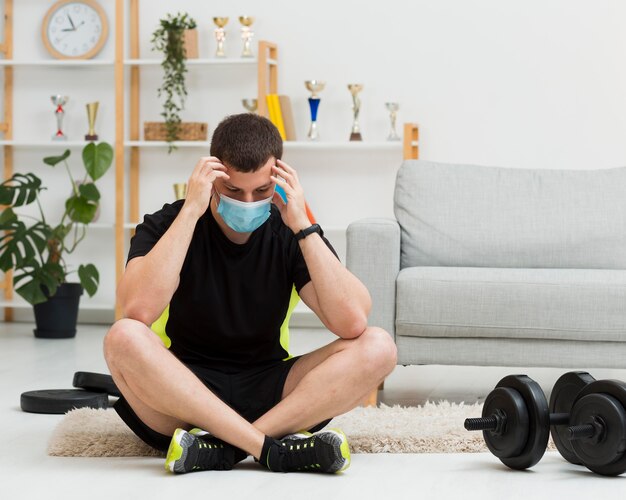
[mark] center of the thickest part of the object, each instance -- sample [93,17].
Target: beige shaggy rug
[432,428]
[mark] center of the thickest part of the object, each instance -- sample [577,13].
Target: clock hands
[71,22]
[73,28]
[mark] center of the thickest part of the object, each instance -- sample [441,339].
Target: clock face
[75,29]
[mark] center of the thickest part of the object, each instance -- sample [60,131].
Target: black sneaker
[324,451]
[197,450]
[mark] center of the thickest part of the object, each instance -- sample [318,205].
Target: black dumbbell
[515,422]
[588,422]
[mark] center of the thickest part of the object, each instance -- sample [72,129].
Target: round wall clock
[74,29]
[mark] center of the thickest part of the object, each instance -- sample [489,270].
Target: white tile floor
[26,472]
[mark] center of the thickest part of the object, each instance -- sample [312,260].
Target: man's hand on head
[200,185]
[293,212]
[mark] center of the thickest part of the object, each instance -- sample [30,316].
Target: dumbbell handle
[595,429]
[585,431]
[559,418]
[491,423]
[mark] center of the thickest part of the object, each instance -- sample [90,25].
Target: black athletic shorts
[251,393]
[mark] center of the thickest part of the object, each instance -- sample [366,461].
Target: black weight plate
[562,400]
[609,446]
[507,402]
[96,382]
[612,446]
[538,420]
[61,400]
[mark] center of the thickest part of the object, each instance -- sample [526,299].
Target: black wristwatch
[315,228]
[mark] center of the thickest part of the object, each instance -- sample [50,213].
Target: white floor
[27,472]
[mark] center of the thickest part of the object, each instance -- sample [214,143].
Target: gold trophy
[250,104]
[180,190]
[220,35]
[355,88]
[92,112]
[246,35]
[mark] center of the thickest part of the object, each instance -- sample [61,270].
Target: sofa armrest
[373,256]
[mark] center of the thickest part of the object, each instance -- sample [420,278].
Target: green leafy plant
[36,252]
[169,38]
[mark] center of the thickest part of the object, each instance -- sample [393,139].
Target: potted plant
[36,252]
[169,38]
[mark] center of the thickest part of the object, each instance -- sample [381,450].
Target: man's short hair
[246,142]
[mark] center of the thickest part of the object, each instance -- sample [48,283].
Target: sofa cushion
[463,215]
[558,304]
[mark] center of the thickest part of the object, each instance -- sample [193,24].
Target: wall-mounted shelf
[252,61]
[107,63]
[163,144]
[47,144]
[343,145]
[287,145]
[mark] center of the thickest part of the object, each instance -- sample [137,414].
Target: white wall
[539,83]
[533,83]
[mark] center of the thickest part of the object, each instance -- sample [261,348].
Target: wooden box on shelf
[187,131]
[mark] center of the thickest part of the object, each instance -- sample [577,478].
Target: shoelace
[299,454]
[213,455]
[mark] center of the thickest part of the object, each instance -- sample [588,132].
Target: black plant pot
[56,318]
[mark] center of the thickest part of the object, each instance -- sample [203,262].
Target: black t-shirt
[232,299]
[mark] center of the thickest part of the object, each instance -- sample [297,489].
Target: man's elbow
[135,310]
[137,314]
[352,326]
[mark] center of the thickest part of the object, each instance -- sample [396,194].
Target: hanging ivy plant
[169,38]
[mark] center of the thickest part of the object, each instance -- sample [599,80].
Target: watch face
[75,29]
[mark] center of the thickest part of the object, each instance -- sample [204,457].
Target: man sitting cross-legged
[224,261]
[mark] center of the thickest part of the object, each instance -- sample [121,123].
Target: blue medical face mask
[242,216]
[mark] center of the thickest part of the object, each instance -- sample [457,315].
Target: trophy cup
[355,88]
[314,86]
[59,101]
[250,104]
[220,35]
[246,35]
[393,107]
[92,112]
[180,190]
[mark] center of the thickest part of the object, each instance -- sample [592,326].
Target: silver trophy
[393,107]
[314,87]
[220,35]
[250,104]
[355,88]
[246,35]
[59,101]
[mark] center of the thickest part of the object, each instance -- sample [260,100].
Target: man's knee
[379,350]
[125,337]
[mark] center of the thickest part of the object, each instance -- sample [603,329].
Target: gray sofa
[499,266]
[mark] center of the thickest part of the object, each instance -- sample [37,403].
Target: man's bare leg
[165,394]
[330,381]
